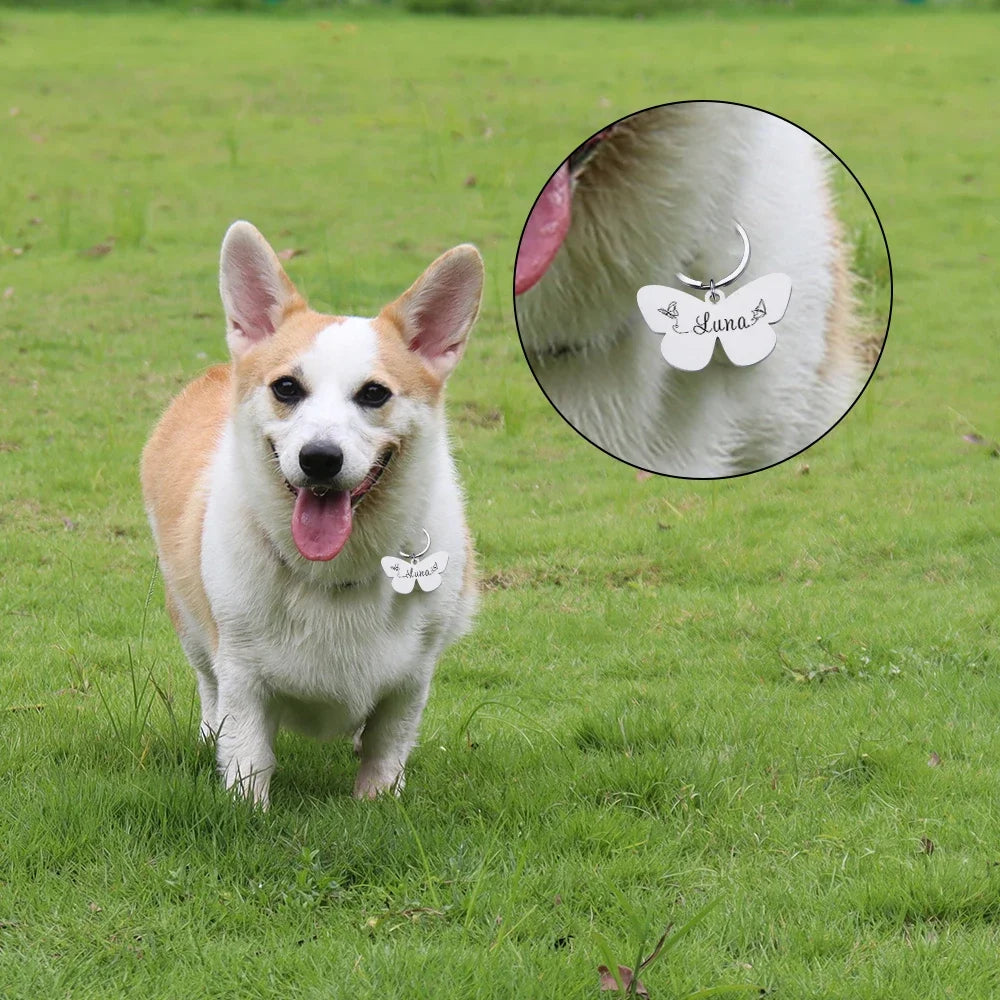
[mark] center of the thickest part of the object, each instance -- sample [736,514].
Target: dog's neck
[650,202]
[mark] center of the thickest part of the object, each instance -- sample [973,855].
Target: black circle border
[835,424]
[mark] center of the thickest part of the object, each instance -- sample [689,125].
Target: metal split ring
[417,555]
[712,285]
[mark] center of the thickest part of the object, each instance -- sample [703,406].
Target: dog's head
[329,401]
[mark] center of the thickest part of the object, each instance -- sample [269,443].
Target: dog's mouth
[583,153]
[551,215]
[323,517]
[372,476]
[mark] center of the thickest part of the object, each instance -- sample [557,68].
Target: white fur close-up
[659,195]
[324,645]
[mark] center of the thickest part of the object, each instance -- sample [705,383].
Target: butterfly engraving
[692,325]
[405,573]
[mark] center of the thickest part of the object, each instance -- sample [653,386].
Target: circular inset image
[702,289]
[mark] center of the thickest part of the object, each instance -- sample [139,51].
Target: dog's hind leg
[200,657]
[389,735]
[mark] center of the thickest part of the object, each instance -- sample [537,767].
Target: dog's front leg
[245,742]
[389,734]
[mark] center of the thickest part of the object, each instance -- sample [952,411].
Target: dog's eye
[287,389]
[372,394]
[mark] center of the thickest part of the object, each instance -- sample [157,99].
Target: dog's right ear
[256,293]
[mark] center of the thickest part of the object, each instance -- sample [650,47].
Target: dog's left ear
[436,313]
[256,292]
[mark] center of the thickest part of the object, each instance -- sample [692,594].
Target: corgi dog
[655,194]
[276,484]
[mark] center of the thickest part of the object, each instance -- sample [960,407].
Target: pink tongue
[545,231]
[321,525]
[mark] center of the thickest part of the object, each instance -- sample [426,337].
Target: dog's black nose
[321,460]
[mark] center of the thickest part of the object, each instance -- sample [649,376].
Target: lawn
[775,694]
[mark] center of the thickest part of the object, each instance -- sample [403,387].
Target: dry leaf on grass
[608,981]
[289,252]
[977,439]
[631,985]
[99,249]
[934,760]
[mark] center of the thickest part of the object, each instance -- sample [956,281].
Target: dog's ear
[256,293]
[436,313]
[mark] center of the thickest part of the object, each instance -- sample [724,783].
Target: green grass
[603,8]
[677,693]
[491,8]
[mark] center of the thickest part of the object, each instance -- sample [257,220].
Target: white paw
[374,781]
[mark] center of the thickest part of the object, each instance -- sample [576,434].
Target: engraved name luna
[412,572]
[705,324]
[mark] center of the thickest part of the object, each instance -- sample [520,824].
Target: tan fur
[269,359]
[175,463]
[399,369]
[845,351]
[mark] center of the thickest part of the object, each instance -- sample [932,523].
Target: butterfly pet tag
[405,569]
[741,321]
